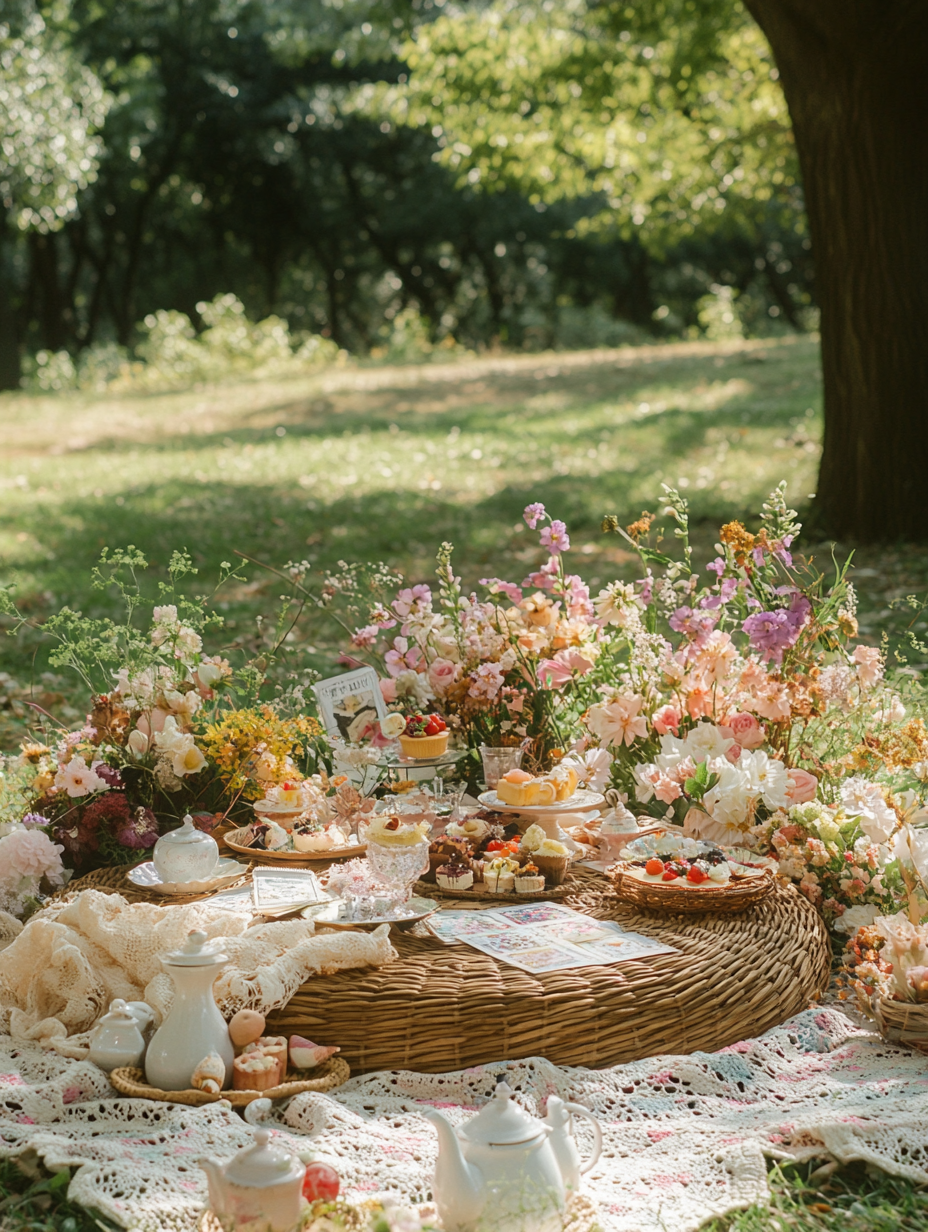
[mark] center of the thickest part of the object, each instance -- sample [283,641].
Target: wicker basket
[478,893]
[329,1074]
[902,1022]
[679,900]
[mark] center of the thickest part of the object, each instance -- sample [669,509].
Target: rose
[442,673]
[388,690]
[667,719]
[746,730]
[801,786]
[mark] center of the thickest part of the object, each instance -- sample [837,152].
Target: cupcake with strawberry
[426,735]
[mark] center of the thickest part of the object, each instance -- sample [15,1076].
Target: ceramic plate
[146,878]
[236,839]
[392,760]
[419,909]
[579,801]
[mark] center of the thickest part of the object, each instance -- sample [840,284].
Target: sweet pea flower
[412,599]
[496,586]
[387,689]
[555,537]
[553,674]
[533,515]
[771,633]
[486,681]
[869,664]
[365,636]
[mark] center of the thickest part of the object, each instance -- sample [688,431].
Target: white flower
[912,845]
[180,749]
[768,777]
[729,801]
[865,801]
[415,686]
[138,742]
[78,779]
[592,767]
[165,615]
[856,917]
[705,741]
[834,684]
[891,711]
[183,703]
[616,604]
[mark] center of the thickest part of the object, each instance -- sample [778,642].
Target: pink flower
[869,665]
[365,636]
[486,681]
[801,786]
[744,728]
[31,853]
[666,720]
[78,779]
[733,752]
[380,616]
[412,599]
[388,690]
[771,701]
[553,674]
[618,721]
[665,789]
[497,586]
[555,537]
[577,598]
[544,578]
[442,674]
[533,515]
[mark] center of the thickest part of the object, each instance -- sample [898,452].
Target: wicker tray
[479,894]
[231,839]
[902,1022]
[331,1073]
[666,896]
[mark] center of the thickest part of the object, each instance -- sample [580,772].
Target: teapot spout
[459,1188]
[215,1174]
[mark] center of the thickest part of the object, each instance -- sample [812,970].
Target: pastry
[693,872]
[474,829]
[454,876]
[443,850]
[255,1071]
[210,1074]
[551,858]
[565,780]
[392,831]
[523,790]
[425,736]
[304,1054]
[245,1027]
[532,839]
[499,875]
[273,1046]
[316,836]
[528,880]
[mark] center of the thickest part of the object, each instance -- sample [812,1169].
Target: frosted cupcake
[255,1071]
[529,880]
[499,875]
[551,858]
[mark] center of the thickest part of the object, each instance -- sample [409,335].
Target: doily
[684,1136]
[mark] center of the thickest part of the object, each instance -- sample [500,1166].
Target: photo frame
[351,704]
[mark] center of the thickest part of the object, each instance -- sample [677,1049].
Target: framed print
[351,705]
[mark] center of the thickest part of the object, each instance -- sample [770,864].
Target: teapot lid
[261,1163]
[186,835]
[196,953]
[119,1015]
[501,1122]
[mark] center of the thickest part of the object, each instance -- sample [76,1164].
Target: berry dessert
[425,736]
[707,869]
[455,875]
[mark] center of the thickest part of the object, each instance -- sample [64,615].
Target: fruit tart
[425,736]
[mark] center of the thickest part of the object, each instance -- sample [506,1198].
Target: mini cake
[551,858]
[288,794]
[686,872]
[443,851]
[532,839]
[454,876]
[474,829]
[523,790]
[255,1071]
[529,880]
[565,780]
[272,1046]
[269,836]
[316,836]
[425,736]
[390,830]
[499,875]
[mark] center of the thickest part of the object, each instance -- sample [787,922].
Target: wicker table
[440,1008]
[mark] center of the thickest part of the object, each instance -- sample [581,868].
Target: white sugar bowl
[185,854]
[117,1038]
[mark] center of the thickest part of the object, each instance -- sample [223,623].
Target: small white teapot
[507,1169]
[185,854]
[260,1186]
[117,1038]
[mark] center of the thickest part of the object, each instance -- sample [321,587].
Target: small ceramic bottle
[185,854]
[194,1026]
[117,1039]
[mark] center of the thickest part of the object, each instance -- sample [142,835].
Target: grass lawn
[366,463]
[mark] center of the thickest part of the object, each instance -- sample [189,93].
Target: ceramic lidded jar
[261,1186]
[194,1026]
[185,854]
[117,1038]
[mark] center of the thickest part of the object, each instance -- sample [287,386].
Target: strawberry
[669,875]
[696,876]
[654,866]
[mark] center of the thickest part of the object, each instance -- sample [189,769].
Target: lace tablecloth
[685,1136]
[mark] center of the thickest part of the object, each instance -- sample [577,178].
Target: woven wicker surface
[329,1074]
[902,1022]
[441,1007]
[115,880]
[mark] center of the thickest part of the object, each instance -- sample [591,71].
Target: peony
[869,663]
[667,719]
[865,801]
[705,740]
[801,786]
[442,674]
[78,779]
[31,853]
[730,801]
[745,729]
[618,721]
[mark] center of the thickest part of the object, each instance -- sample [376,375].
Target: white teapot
[506,1168]
[117,1038]
[260,1186]
[185,854]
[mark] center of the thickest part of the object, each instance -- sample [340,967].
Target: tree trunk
[10,371]
[855,79]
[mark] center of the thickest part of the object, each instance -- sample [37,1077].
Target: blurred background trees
[388,175]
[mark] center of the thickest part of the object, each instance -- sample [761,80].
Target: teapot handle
[580,1111]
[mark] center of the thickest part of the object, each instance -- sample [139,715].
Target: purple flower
[34,819]
[696,625]
[533,515]
[647,589]
[717,566]
[773,632]
[781,551]
[108,774]
[139,831]
[555,537]
[726,590]
[497,586]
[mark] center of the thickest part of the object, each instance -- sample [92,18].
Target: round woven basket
[329,1074]
[902,1022]
[680,900]
[115,881]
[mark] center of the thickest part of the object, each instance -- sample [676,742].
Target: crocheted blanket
[684,1136]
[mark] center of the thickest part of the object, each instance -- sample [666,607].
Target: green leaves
[701,782]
